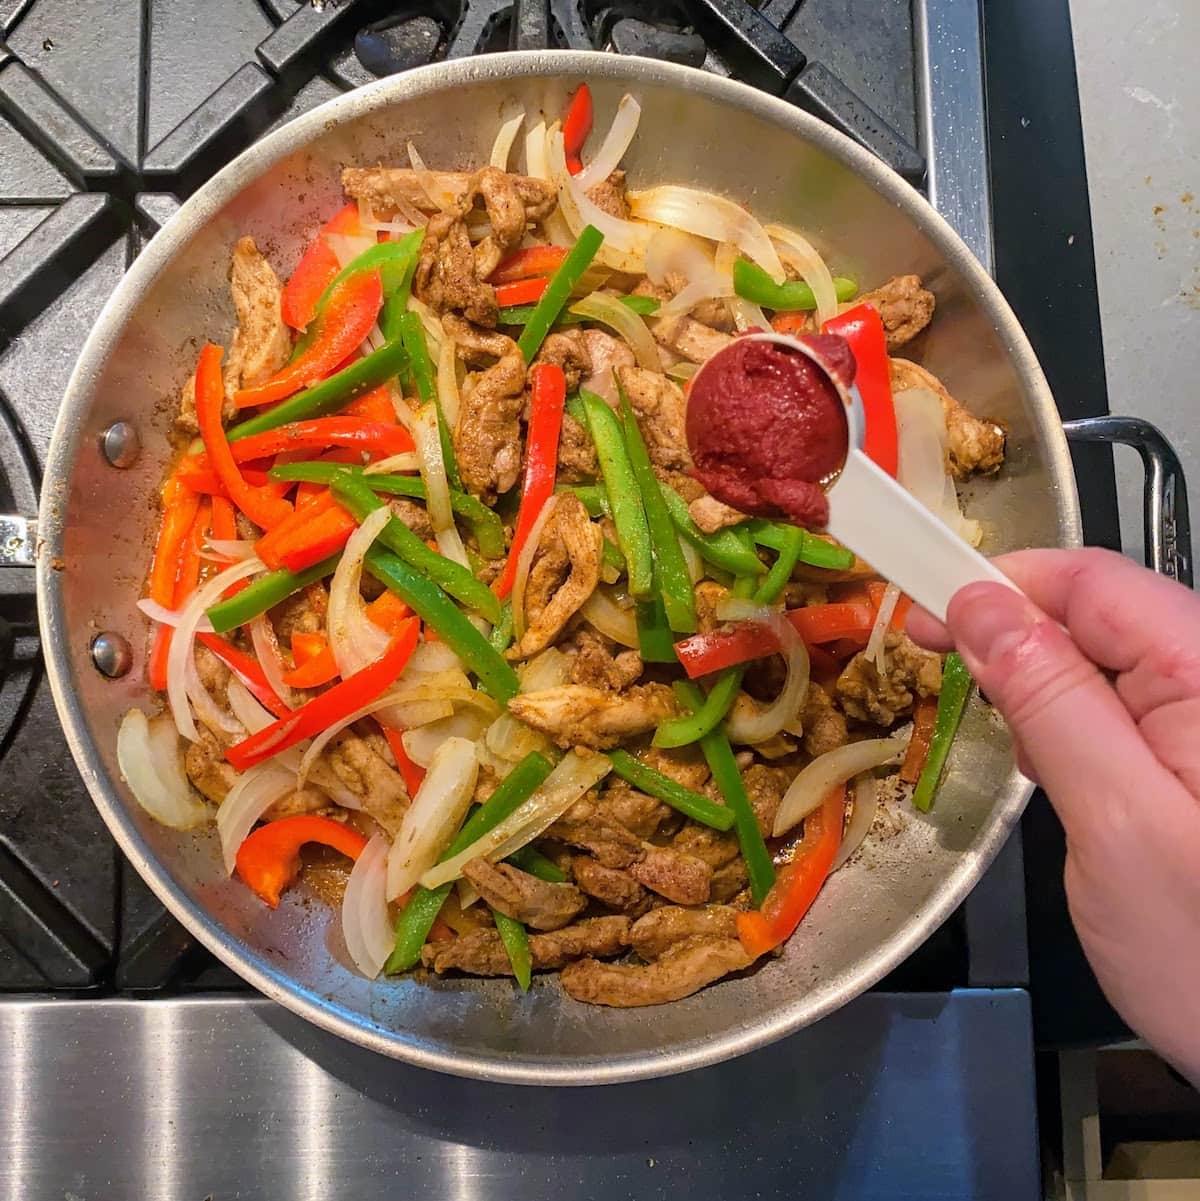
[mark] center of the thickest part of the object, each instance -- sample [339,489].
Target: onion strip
[866,805]
[255,791]
[616,142]
[610,619]
[149,761]
[437,488]
[505,136]
[763,724]
[812,267]
[558,233]
[270,658]
[524,563]
[447,381]
[875,647]
[366,924]
[355,640]
[405,461]
[815,782]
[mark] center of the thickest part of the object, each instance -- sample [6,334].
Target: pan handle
[1168,535]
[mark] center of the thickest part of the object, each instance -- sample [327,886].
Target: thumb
[1072,728]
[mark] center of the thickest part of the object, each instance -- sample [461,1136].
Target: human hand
[1097,672]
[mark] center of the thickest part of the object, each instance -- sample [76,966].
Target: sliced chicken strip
[905,307]
[662,928]
[576,715]
[660,409]
[533,902]
[482,953]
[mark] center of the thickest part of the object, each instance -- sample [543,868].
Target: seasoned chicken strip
[610,885]
[975,444]
[536,903]
[908,672]
[565,572]
[673,874]
[366,773]
[662,928]
[605,354]
[387,188]
[905,307]
[681,970]
[576,715]
[660,409]
[488,438]
[712,515]
[482,953]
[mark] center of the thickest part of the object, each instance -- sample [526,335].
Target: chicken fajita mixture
[439,594]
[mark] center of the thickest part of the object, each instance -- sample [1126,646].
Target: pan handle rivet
[111,655]
[120,444]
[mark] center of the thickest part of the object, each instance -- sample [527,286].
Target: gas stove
[113,114]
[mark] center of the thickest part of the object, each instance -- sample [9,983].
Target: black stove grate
[111,115]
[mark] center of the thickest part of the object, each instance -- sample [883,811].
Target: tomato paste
[767,428]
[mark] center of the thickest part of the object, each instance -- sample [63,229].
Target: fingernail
[989,620]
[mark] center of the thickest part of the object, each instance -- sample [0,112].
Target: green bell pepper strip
[395,298]
[519,314]
[729,549]
[423,906]
[611,556]
[672,584]
[593,496]
[815,551]
[412,333]
[536,864]
[656,643]
[432,605]
[562,283]
[624,496]
[706,715]
[516,943]
[489,529]
[769,591]
[451,577]
[719,755]
[573,406]
[502,631]
[751,282]
[330,394]
[265,593]
[413,925]
[655,784]
[956,687]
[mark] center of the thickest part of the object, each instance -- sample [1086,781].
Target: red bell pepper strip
[375,405]
[314,662]
[525,291]
[315,271]
[528,263]
[548,386]
[862,327]
[294,532]
[830,623]
[577,124]
[918,745]
[325,536]
[269,860]
[345,321]
[330,707]
[224,519]
[793,322]
[180,504]
[798,882]
[412,773]
[247,669]
[262,507]
[350,433]
[187,577]
[388,611]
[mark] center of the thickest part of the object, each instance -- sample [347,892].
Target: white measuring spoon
[872,515]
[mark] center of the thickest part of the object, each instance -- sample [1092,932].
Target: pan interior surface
[98,523]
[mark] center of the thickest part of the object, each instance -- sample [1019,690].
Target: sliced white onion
[921,461]
[180,680]
[169,617]
[746,314]
[430,657]
[883,619]
[691,557]
[422,743]
[468,894]
[803,256]
[624,245]
[394,465]
[810,788]
[683,370]
[256,790]
[549,669]
[524,562]
[148,755]
[412,216]
[673,255]
[447,381]
[354,638]
[611,619]
[708,216]
[441,198]
[866,804]
[255,717]
[270,657]
[509,741]
[366,923]
[608,310]
[437,487]
[537,165]
[612,150]
[429,322]
[573,776]
[434,816]
[764,723]
[505,136]
[394,228]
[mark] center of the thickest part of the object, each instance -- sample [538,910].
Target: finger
[925,629]
[1077,736]
[1121,616]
